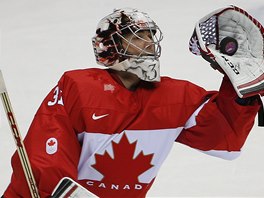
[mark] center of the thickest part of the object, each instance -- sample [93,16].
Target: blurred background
[40,39]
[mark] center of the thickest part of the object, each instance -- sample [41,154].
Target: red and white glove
[233,42]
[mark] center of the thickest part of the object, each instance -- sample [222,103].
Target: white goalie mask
[111,34]
[233,42]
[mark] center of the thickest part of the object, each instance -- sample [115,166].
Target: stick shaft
[17,137]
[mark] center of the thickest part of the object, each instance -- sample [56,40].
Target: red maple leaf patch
[123,168]
[51,143]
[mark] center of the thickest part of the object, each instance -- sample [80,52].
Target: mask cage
[153,43]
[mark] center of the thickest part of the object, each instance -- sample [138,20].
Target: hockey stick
[17,137]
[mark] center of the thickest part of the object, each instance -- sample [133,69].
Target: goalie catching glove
[232,41]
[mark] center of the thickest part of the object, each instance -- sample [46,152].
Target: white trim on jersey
[156,142]
[227,155]
[192,120]
[216,153]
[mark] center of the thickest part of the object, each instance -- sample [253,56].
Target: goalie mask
[111,35]
[232,41]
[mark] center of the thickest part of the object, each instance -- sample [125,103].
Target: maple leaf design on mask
[123,168]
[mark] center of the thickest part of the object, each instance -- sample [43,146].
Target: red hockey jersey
[113,141]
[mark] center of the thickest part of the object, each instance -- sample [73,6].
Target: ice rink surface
[41,39]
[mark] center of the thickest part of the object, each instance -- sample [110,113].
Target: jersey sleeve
[52,147]
[220,126]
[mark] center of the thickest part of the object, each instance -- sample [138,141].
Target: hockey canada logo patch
[51,146]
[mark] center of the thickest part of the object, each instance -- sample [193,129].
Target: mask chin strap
[146,69]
